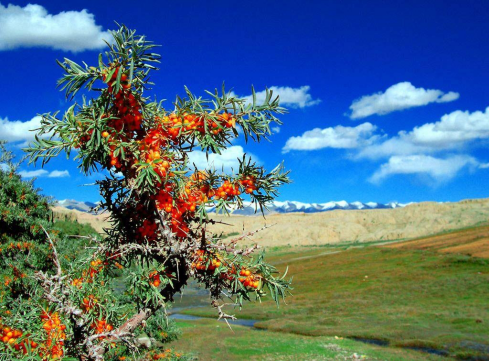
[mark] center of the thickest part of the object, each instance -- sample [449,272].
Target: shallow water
[429,350]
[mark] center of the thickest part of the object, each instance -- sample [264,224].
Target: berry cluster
[166,354]
[20,246]
[227,191]
[126,111]
[124,116]
[11,337]
[113,79]
[148,230]
[114,161]
[88,275]
[88,303]
[249,280]
[177,125]
[53,347]
[154,278]
[249,183]
[101,326]
[205,262]
[84,137]
[17,275]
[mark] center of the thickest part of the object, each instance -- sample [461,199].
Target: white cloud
[33,26]
[226,160]
[59,174]
[436,168]
[333,137]
[44,173]
[453,128]
[398,97]
[33,173]
[16,131]
[451,132]
[276,130]
[290,97]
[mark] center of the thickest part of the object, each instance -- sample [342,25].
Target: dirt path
[470,241]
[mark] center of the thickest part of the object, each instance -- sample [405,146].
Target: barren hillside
[97,221]
[413,221]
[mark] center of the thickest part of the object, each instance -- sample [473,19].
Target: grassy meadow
[406,295]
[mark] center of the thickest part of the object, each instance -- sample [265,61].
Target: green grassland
[211,340]
[408,298]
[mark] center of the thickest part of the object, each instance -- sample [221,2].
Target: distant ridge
[293,207]
[79,206]
[274,207]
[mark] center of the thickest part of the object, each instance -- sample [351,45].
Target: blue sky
[388,101]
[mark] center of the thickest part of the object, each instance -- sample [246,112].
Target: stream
[239,322]
[195,297]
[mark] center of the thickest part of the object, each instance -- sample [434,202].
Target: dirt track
[473,242]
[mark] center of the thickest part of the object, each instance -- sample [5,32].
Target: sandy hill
[337,226]
[412,221]
[97,221]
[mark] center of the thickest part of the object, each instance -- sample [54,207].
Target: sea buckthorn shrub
[28,328]
[157,201]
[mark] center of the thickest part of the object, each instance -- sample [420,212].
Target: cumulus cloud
[451,132]
[33,26]
[436,168]
[44,173]
[290,97]
[435,150]
[333,137]
[453,128]
[227,160]
[398,97]
[276,130]
[59,174]
[33,173]
[16,131]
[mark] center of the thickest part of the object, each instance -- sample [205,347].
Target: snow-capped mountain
[79,206]
[275,207]
[293,206]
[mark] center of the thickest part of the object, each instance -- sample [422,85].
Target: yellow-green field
[406,294]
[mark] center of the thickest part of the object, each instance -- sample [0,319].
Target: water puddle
[384,343]
[371,341]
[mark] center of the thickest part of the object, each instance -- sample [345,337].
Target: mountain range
[293,206]
[274,207]
[78,205]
